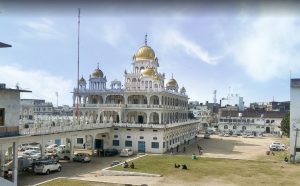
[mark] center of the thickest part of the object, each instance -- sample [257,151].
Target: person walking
[84,146]
[184,149]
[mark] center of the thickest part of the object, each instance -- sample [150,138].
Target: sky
[246,49]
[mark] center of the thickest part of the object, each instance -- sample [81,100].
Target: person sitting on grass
[176,166]
[184,167]
[125,165]
[132,165]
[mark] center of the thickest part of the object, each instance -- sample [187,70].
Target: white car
[51,147]
[45,167]
[276,145]
[32,154]
[126,152]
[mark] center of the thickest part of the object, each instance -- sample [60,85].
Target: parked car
[46,166]
[276,146]
[32,154]
[64,154]
[126,152]
[50,156]
[82,157]
[32,148]
[22,147]
[111,152]
[51,147]
[116,162]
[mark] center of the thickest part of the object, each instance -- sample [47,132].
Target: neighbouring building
[250,121]
[271,106]
[233,100]
[31,107]
[295,120]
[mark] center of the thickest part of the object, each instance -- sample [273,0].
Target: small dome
[182,90]
[172,82]
[156,77]
[82,80]
[145,52]
[148,72]
[97,73]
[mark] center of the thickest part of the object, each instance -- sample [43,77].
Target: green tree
[285,125]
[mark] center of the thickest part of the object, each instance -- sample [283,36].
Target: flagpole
[77,107]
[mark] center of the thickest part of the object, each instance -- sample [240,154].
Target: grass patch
[244,172]
[68,182]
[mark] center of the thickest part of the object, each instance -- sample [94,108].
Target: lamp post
[295,148]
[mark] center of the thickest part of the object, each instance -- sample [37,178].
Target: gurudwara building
[148,114]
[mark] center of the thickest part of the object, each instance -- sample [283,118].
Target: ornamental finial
[146,39]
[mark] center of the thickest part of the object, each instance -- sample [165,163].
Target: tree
[285,124]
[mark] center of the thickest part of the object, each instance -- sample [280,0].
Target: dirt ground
[230,147]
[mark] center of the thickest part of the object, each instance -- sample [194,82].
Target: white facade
[269,122]
[295,119]
[146,100]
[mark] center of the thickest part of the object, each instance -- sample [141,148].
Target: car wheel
[48,172]
[59,169]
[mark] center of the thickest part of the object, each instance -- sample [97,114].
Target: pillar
[15,163]
[2,159]
[148,117]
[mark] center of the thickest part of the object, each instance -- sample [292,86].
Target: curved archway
[154,100]
[154,118]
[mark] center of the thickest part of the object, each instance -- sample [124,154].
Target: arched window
[234,127]
[225,126]
[244,128]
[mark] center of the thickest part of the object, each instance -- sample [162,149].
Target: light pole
[295,148]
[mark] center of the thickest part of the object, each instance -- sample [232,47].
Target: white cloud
[267,47]
[42,28]
[42,84]
[112,33]
[172,38]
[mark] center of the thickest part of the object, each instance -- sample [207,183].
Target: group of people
[183,166]
[126,165]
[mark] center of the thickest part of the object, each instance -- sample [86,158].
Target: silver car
[45,167]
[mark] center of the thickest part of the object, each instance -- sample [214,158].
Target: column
[125,99]
[159,117]
[15,163]
[2,159]
[148,117]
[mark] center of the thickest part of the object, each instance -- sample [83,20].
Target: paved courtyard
[216,146]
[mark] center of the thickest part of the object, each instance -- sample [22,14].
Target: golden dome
[148,72]
[97,73]
[145,52]
[172,82]
[156,77]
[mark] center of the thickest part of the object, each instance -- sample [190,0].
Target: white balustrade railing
[68,124]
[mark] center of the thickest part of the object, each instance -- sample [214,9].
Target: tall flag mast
[77,105]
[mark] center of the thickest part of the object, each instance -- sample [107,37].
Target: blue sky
[250,48]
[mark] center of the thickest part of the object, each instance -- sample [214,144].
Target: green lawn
[72,182]
[240,172]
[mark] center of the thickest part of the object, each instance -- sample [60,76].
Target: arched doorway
[268,130]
